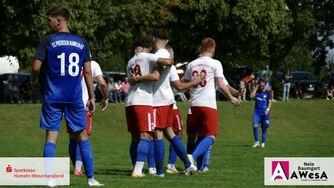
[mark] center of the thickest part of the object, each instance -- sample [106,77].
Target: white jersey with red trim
[96,71]
[174,76]
[141,93]
[204,94]
[163,94]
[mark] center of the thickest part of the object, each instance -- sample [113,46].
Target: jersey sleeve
[87,54]
[96,69]
[218,69]
[224,80]
[152,58]
[173,74]
[41,50]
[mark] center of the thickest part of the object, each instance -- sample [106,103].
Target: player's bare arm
[165,61]
[183,86]
[154,76]
[226,92]
[89,83]
[269,107]
[253,93]
[104,90]
[233,91]
[35,68]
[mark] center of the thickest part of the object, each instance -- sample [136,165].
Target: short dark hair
[160,34]
[144,42]
[262,80]
[59,11]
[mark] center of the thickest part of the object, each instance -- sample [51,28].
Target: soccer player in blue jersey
[59,59]
[263,101]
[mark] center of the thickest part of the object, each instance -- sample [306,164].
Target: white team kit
[204,94]
[96,71]
[141,93]
[163,94]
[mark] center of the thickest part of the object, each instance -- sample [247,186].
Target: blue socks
[180,150]
[159,151]
[142,150]
[49,149]
[133,152]
[150,155]
[87,157]
[172,155]
[205,160]
[256,133]
[202,147]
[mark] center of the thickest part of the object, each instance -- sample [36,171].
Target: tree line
[294,34]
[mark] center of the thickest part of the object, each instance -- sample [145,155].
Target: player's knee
[255,125]
[170,133]
[145,136]
[51,136]
[158,134]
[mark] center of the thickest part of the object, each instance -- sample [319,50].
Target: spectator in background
[298,90]
[286,85]
[15,91]
[330,92]
[266,76]
[26,91]
[118,91]
[125,88]
[111,85]
[243,86]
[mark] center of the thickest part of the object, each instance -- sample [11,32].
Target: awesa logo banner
[299,171]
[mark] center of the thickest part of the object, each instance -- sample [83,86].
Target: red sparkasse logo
[9,168]
[279,170]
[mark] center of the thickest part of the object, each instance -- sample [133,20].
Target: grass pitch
[299,128]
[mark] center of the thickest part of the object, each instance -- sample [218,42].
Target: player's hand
[91,105]
[104,104]
[134,79]
[266,112]
[235,101]
[198,79]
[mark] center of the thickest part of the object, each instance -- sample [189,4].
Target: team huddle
[150,108]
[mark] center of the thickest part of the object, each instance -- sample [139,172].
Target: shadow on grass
[236,145]
[114,171]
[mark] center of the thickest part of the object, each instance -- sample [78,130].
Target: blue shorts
[261,118]
[52,113]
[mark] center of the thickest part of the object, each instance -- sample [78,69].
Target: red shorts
[139,118]
[177,120]
[89,127]
[163,116]
[203,121]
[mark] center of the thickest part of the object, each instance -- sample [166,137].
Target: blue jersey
[262,100]
[62,56]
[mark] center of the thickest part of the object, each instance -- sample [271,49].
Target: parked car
[304,81]
[113,74]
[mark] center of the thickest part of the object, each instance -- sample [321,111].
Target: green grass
[299,128]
